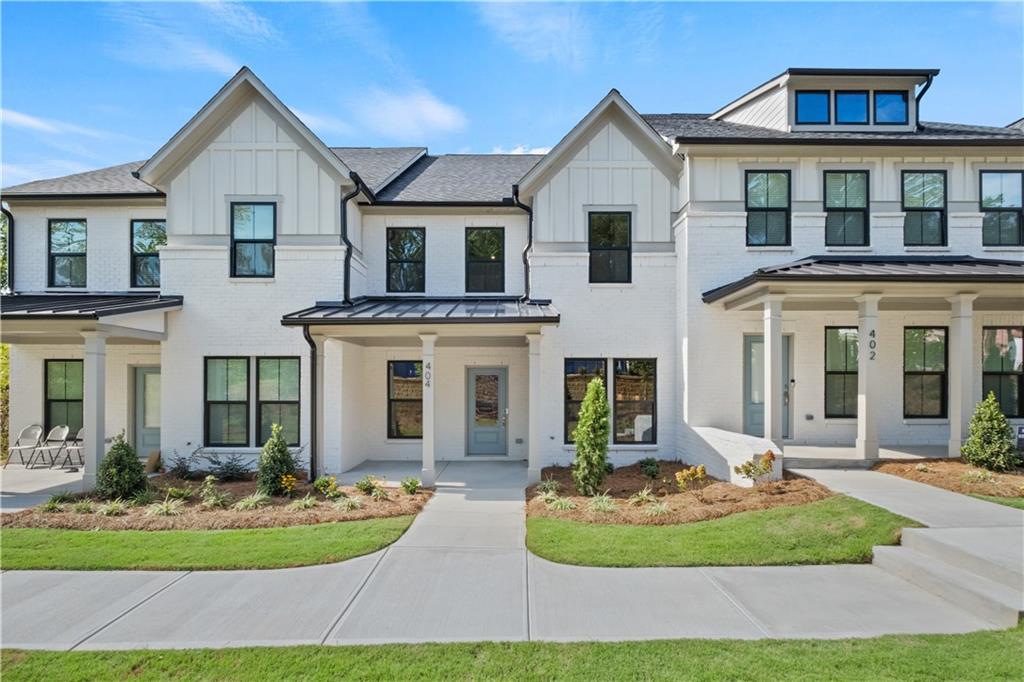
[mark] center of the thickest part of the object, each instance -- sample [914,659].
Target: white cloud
[352,23]
[320,123]
[411,115]
[17,173]
[557,33]
[238,18]
[17,119]
[520,149]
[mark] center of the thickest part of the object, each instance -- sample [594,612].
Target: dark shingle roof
[460,178]
[81,306]
[115,180]
[417,310]
[376,164]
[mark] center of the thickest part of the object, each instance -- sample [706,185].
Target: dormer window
[812,107]
[852,107]
[891,107]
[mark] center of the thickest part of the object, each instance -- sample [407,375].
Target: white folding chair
[28,441]
[74,447]
[56,441]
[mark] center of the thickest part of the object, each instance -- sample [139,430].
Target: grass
[80,550]
[975,656]
[1015,502]
[838,529]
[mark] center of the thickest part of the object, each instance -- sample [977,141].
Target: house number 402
[426,374]
[872,345]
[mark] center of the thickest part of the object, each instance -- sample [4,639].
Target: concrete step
[825,463]
[995,553]
[992,601]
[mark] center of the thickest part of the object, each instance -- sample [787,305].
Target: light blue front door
[487,411]
[753,386]
[147,410]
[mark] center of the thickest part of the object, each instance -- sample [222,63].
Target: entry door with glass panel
[147,410]
[753,386]
[487,407]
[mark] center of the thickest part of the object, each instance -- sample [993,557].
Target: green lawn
[976,656]
[44,548]
[838,529]
[1015,502]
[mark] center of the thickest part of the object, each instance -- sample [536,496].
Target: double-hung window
[1002,367]
[406,257]
[635,420]
[840,372]
[67,241]
[891,107]
[147,235]
[227,401]
[767,208]
[277,397]
[610,245]
[924,372]
[64,384]
[405,399]
[485,259]
[846,208]
[253,235]
[924,202]
[1001,194]
[579,372]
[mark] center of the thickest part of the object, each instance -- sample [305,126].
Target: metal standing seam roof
[80,306]
[417,310]
[882,269]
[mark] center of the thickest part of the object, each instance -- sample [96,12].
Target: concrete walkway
[462,573]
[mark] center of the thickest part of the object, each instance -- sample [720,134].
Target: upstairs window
[1002,367]
[634,415]
[840,372]
[405,399]
[64,386]
[1001,193]
[924,202]
[579,372]
[277,397]
[406,256]
[846,208]
[147,235]
[610,247]
[485,259]
[924,372]
[767,208]
[851,107]
[227,401]
[812,107]
[253,234]
[67,241]
[891,107]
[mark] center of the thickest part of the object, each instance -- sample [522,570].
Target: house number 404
[872,344]
[426,374]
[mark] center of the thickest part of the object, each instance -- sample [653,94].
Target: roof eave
[905,142]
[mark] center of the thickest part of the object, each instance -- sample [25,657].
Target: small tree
[591,439]
[276,462]
[990,438]
[120,474]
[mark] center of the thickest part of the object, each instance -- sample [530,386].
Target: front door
[147,410]
[487,411]
[753,386]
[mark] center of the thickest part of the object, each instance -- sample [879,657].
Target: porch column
[428,474]
[534,441]
[961,369]
[94,403]
[773,406]
[869,379]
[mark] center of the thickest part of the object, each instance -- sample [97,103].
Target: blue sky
[87,85]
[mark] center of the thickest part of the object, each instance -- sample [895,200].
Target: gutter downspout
[529,241]
[312,402]
[10,248]
[360,187]
[917,102]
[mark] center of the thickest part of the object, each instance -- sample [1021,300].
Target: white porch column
[773,406]
[869,379]
[534,442]
[428,474]
[330,370]
[961,369]
[94,403]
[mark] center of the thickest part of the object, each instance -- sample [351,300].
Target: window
[852,107]
[846,208]
[812,106]
[1002,367]
[924,202]
[1004,212]
[485,259]
[924,372]
[67,252]
[406,256]
[634,409]
[147,235]
[767,208]
[840,372]
[891,107]
[579,372]
[405,399]
[253,234]
[277,397]
[227,401]
[610,244]
[64,386]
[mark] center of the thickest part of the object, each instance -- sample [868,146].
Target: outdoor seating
[56,441]
[74,448]
[28,441]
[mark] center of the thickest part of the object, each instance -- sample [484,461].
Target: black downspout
[312,402]
[917,100]
[347,295]
[10,248]
[529,241]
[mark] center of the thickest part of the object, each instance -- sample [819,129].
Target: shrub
[756,468]
[250,502]
[562,504]
[641,497]
[649,467]
[656,509]
[84,507]
[169,507]
[51,507]
[922,467]
[411,485]
[328,487]
[602,503]
[690,475]
[349,504]
[184,494]
[120,473]
[307,502]
[990,439]
[211,496]
[143,497]
[228,468]
[591,439]
[367,484]
[980,476]
[548,485]
[183,467]
[379,494]
[276,461]
[288,484]
[62,497]
[116,507]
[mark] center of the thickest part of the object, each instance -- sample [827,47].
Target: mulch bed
[958,476]
[711,500]
[196,517]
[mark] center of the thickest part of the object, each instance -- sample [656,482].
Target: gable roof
[377,166]
[115,181]
[459,179]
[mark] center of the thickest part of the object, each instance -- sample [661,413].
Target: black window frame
[942,211]
[591,248]
[906,107]
[866,211]
[944,373]
[51,254]
[845,373]
[390,261]
[272,241]
[828,108]
[986,209]
[133,254]
[48,401]
[391,400]
[1002,373]
[788,211]
[654,403]
[207,403]
[566,431]
[480,261]
[867,107]
[297,402]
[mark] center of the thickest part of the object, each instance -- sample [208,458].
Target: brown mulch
[958,476]
[712,500]
[196,517]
